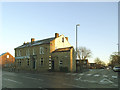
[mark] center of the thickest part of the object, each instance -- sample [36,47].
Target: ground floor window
[41,62]
[28,62]
[60,63]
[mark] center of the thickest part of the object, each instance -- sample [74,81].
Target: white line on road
[89,81]
[89,74]
[81,74]
[32,78]
[13,81]
[105,81]
[96,75]
[114,77]
[105,76]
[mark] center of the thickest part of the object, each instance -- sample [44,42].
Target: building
[82,65]
[54,54]
[92,65]
[6,60]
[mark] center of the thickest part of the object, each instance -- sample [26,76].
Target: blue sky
[98,21]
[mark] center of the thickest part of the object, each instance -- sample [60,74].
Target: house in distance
[55,54]
[6,60]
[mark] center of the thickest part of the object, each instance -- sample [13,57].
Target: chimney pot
[56,35]
[32,40]
[66,38]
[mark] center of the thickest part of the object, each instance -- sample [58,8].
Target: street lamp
[76,39]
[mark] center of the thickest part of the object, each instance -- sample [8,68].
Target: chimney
[56,35]
[66,38]
[32,40]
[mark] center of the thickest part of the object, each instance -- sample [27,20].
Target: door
[34,64]
[52,65]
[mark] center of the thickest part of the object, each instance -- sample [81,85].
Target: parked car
[116,68]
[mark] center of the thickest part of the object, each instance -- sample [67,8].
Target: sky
[98,30]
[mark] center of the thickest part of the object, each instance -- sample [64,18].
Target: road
[94,78]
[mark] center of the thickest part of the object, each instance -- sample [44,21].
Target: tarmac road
[94,78]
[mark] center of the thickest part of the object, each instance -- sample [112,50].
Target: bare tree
[83,53]
[114,59]
[99,63]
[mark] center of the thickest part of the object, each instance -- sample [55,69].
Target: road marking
[78,78]
[105,81]
[89,81]
[114,77]
[105,76]
[96,75]
[33,78]
[13,81]
[73,85]
[89,74]
[81,74]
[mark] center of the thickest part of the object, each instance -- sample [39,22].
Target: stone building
[54,54]
[6,60]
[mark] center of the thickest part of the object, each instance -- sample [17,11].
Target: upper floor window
[7,56]
[19,52]
[27,52]
[41,50]
[63,39]
[33,51]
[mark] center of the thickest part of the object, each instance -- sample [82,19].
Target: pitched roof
[3,53]
[39,42]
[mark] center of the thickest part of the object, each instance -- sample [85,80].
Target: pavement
[94,78]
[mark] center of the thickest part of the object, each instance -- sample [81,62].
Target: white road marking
[89,81]
[73,85]
[81,74]
[96,75]
[89,74]
[114,77]
[78,78]
[13,81]
[105,81]
[105,76]
[32,78]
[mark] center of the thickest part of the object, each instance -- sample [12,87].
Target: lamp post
[76,39]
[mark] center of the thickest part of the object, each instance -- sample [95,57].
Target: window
[7,56]
[20,62]
[41,50]
[27,52]
[33,51]
[60,63]
[41,62]
[19,52]
[63,39]
[28,62]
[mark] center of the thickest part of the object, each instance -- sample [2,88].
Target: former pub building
[55,54]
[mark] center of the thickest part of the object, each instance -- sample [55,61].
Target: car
[116,68]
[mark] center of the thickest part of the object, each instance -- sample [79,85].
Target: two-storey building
[54,53]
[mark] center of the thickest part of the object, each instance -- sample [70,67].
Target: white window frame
[41,50]
[33,51]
